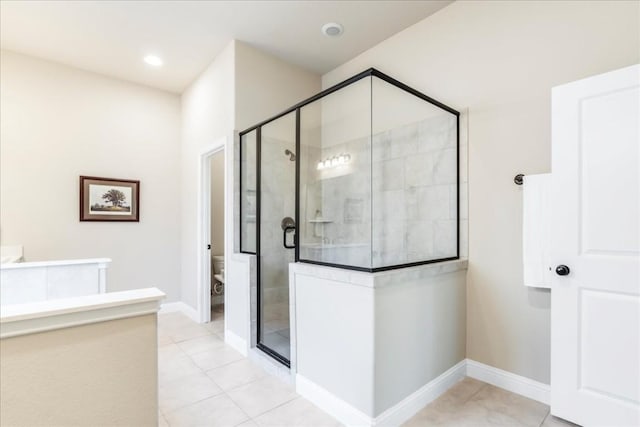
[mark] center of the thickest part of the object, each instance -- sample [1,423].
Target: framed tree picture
[109,199]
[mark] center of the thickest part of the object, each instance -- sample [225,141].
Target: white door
[595,308]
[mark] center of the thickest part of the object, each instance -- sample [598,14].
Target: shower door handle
[286,230]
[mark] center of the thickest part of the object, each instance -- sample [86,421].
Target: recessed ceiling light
[332,29]
[153,60]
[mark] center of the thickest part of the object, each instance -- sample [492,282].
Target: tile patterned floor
[204,382]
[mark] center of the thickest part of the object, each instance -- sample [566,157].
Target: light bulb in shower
[334,161]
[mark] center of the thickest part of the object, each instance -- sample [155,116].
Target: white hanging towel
[536,233]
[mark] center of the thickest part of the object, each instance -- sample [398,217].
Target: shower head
[291,154]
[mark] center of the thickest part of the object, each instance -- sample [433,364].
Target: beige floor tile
[200,344]
[296,413]
[217,411]
[169,351]
[462,391]
[187,332]
[552,421]
[474,403]
[441,412]
[172,321]
[498,402]
[165,318]
[248,423]
[444,409]
[162,421]
[186,390]
[176,367]
[473,414]
[261,396]
[215,358]
[216,326]
[236,374]
[163,338]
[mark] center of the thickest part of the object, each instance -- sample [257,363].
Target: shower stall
[361,177]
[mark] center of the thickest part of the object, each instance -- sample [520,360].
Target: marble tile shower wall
[414,192]
[341,197]
[411,173]
[245,197]
[277,201]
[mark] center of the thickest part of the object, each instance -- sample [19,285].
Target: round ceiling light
[153,60]
[332,29]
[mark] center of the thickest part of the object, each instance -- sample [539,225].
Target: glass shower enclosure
[362,176]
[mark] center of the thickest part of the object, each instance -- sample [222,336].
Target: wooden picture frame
[109,199]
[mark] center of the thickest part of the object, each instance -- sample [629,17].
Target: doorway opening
[216,236]
[212,234]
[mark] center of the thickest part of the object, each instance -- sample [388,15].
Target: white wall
[207,116]
[500,59]
[59,123]
[265,85]
[241,87]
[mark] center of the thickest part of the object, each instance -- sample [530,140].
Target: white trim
[330,403]
[394,416]
[509,381]
[236,342]
[23,319]
[412,404]
[180,307]
[204,225]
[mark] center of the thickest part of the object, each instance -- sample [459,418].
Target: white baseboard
[394,416]
[412,404]
[236,342]
[511,382]
[187,310]
[331,404]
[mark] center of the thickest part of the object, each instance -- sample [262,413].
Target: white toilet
[217,282]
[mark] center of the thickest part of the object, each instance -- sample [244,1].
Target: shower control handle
[285,231]
[562,270]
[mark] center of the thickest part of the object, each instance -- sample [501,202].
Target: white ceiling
[111,37]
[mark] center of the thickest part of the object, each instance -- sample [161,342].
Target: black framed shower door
[275,231]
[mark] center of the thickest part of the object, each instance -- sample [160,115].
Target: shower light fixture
[333,162]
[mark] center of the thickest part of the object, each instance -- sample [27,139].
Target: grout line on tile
[205,371]
[545,417]
[297,396]
[477,391]
[197,401]
[239,407]
[236,387]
